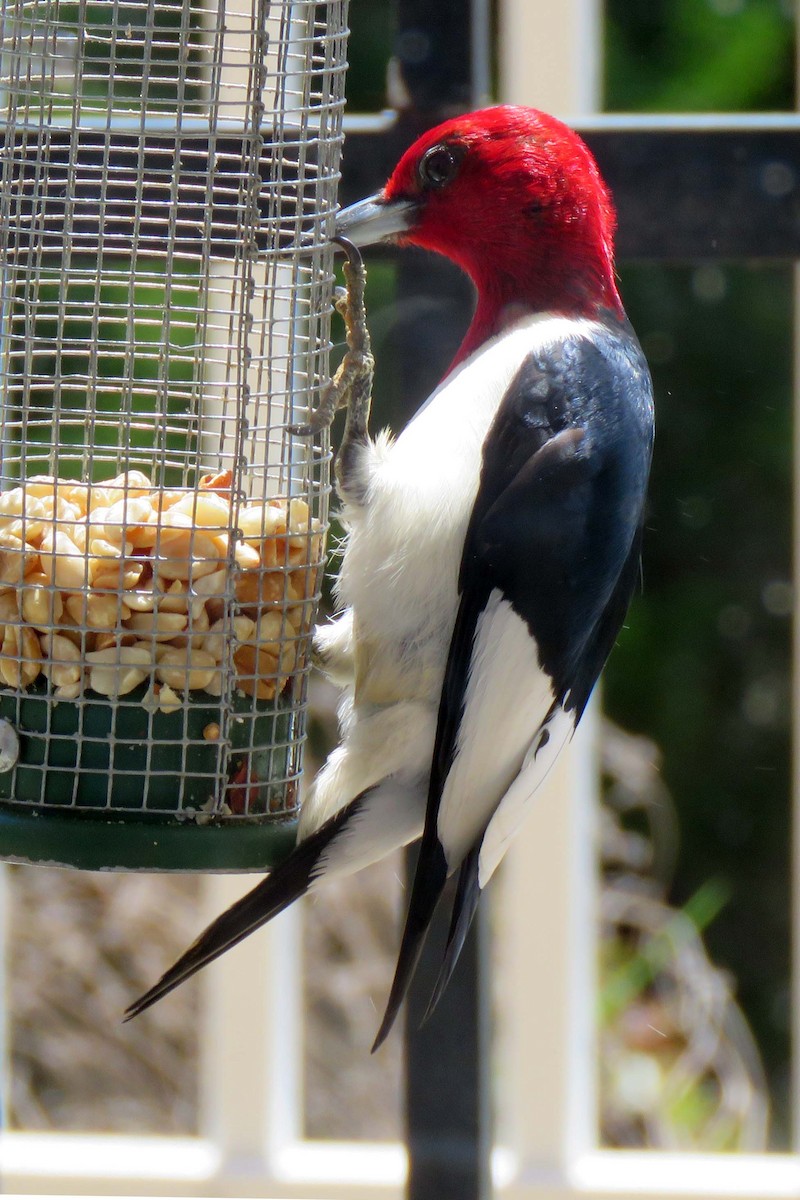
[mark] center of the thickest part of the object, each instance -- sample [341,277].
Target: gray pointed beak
[376,220]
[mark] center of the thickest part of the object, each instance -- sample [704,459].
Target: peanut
[20,656]
[246,556]
[168,701]
[41,606]
[13,502]
[40,486]
[214,686]
[259,521]
[77,494]
[215,584]
[61,662]
[16,559]
[186,554]
[117,670]
[140,601]
[101,547]
[129,656]
[257,671]
[184,671]
[159,626]
[214,641]
[96,611]
[122,575]
[112,575]
[221,482]
[205,509]
[255,589]
[175,599]
[26,528]
[119,637]
[9,608]
[134,519]
[199,626]
[62,562]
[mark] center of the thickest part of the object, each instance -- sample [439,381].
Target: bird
[492,548]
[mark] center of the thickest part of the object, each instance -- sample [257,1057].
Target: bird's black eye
[438,166]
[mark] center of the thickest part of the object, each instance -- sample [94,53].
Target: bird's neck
[587,290]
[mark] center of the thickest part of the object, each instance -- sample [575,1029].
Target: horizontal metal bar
[172,124]
[387,118]
[724,190]
[711,191]
[707,122]
[612,122]
[378,122]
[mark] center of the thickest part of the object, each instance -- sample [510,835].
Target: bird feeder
[169,173]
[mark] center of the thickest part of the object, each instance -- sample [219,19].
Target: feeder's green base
[98,755]
[104,787]
[113,844]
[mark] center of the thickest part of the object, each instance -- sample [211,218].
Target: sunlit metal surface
[169,176]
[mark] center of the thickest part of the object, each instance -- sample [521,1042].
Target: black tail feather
[285,884]
[429,880]
[465,904]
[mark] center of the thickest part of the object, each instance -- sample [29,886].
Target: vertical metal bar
[480,43]
[794,1119]
[548,921]
[251,1062]
[435,50]
[795,969]
[5,1049]
[449,1130]
[550,54]
[447,1097]
[545,956]
[443,53]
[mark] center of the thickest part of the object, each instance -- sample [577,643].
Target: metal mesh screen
[169,172]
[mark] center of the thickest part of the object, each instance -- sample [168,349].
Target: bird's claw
[351,386]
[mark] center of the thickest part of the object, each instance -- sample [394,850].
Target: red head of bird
[515,198]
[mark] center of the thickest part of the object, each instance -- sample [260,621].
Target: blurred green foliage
[369,49]
[704,665]
[628,976]
[698,55]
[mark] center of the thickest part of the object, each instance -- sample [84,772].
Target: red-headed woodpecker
[492,548]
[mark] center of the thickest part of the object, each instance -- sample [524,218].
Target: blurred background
[694,996]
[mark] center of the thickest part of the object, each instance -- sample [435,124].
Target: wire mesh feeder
[169,172]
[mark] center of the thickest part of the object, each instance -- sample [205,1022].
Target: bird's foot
[351,386]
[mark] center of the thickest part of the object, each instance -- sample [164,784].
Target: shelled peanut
[116,584]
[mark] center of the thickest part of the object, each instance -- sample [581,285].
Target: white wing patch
[514,805]
[508,697]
